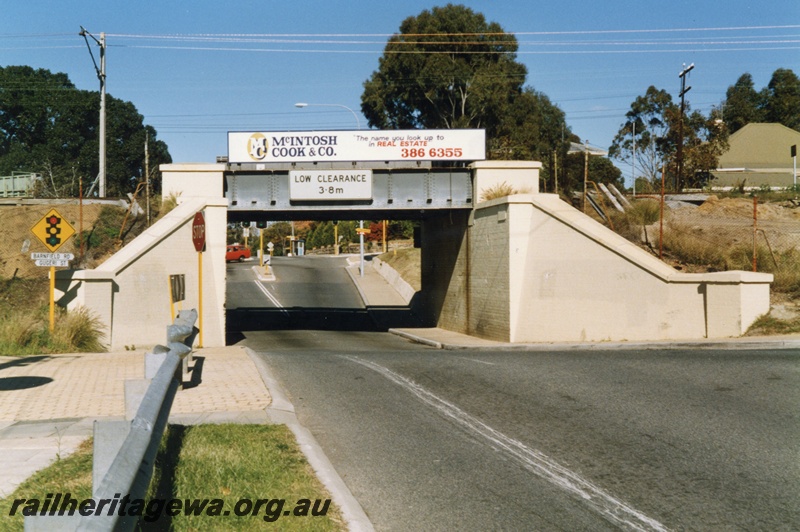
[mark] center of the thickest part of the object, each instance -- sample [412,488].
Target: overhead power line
[747,38]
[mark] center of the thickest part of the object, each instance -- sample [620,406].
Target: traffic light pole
[261,248]
[361,248]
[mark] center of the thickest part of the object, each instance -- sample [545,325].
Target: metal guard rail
[132,468]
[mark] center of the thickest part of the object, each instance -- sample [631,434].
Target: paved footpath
[48,403]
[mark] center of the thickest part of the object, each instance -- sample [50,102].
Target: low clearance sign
[391,145]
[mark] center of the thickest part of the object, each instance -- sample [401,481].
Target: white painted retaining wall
[130,291]
[541,271]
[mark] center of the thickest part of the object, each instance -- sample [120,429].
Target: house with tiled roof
[759,154]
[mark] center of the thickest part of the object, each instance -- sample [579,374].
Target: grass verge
[25,322]
[407,263]
[769,325]
[223,463]
[72,475]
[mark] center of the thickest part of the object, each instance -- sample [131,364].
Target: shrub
[28,333]
[644,211]
[79,330]
[19,332]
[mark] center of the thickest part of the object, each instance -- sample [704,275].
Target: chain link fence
[723,234]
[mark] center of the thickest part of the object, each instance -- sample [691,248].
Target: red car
[236,252]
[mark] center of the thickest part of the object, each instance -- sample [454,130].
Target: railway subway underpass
[526,267]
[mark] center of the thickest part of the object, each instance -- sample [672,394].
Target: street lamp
[301,105]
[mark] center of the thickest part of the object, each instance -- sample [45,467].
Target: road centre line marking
[270,297]
[535,461]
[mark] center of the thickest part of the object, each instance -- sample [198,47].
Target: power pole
[684,90]
[147,174]
[555,170]
[101,75]
[585,174]
[633,161]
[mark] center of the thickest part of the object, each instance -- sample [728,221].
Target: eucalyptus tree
[651,134]
[448,68]
[48,126]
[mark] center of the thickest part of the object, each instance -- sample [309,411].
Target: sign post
[261,248]
[53,230]
[199,241]
[270,247]
[361,233]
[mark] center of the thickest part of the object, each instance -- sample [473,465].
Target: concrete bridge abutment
[518,266]
[530,268]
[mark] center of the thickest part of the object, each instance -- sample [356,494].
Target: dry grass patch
[501,190]
[407,263]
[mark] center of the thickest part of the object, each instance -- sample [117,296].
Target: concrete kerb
[264,275]
[361,292]
[282,411]
[419,339]
[441,339]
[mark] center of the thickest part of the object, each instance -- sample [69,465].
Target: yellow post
[261,248]
[200,297]
[52,298]
[171,301]
[336,238]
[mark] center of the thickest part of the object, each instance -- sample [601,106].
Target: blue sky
[196,70]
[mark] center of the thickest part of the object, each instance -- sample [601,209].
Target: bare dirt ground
[17,242]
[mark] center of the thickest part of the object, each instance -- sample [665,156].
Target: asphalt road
[475,440]
[311,292]
[471,440]
[307,282]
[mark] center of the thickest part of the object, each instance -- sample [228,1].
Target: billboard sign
[365,145]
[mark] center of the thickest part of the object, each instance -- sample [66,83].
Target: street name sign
[52,256]
[52,263]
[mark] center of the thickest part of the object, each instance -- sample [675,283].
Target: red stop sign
[199,232]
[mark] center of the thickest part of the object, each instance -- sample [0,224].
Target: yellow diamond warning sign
[53,230]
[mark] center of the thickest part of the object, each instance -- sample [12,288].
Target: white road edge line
[271,297]
[540,464]
[477,361]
